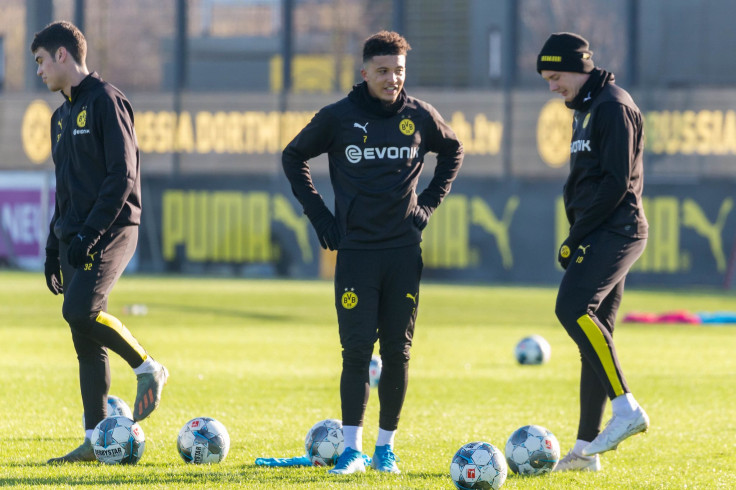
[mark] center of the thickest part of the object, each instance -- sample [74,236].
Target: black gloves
[421,215]
[327,230]
[565,253]
[52,271]
[81,245]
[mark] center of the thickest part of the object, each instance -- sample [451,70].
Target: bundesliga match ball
[532,450]
[325,442]
[374,371]
[118,440]
[115,406]
[533,350]
[203,440]
[478,465]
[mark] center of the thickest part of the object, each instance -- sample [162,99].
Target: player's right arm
[314,140]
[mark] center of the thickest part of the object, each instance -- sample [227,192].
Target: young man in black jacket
[376,140]
[608,232]
[94,229]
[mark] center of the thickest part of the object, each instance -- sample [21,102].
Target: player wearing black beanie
[608,233]
[565,51]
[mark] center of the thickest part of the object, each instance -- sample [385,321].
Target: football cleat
[577,462]
[350,461]
[82,454]
[617,429]
[150,386]
[384,460]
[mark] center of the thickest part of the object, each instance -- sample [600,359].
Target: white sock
[579,446]
[353,437]
[624,404]
[385,437]
[88,434]
[147,366]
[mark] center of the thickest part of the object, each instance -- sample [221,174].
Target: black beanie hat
[565,51]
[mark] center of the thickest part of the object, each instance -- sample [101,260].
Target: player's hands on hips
[329,238]
[52,271]
[421,216]
[565,253]
[327,230]
[80,246]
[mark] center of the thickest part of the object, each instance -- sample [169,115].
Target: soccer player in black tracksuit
[608,233]
[94,229]
[376,139]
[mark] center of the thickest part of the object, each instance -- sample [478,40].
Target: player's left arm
[441,139]
[617,129]
[114,122]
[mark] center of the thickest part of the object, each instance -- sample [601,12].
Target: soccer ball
[203,440]
[118,440]
[478,465]
[115,406]
[533,350]
[532,450]
[374,371]
[325,442]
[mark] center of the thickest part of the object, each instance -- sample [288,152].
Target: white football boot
[617,429]
[577,462]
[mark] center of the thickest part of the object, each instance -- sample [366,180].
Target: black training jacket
[606,177]
[375,159]
[95,153]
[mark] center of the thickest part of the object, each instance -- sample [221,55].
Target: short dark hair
[58,34]
[384,43]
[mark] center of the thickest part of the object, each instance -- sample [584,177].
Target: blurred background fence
[220,86]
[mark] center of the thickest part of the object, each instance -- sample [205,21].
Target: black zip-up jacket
[375,158]
[97,162]
[606,178]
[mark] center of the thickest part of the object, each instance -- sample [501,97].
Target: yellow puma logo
[92,256]
[413,298]
[584,249]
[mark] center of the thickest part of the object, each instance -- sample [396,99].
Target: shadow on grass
[221,312]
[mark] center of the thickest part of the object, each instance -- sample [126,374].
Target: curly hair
[384,43]
[58,34]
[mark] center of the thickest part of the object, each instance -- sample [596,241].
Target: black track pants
[587,303]
[376,296]
[86,291]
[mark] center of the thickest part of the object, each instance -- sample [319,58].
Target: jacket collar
[85,85]
[598,79]
[361,97]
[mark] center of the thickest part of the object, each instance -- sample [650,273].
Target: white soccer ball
[203,440]
[533,350]
[374,371]
[118,440]
[325,442]
[478,465]
[115,406]
[532,450]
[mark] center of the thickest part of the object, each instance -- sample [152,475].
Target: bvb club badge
[349,299]
[565,251]
[82,118]
[406,126]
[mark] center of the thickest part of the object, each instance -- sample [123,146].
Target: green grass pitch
[263,358]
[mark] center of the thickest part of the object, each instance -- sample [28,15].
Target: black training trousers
[93,330]
[587,303]
[376,296]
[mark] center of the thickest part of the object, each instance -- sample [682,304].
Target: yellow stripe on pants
[598,341]
[116,325]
